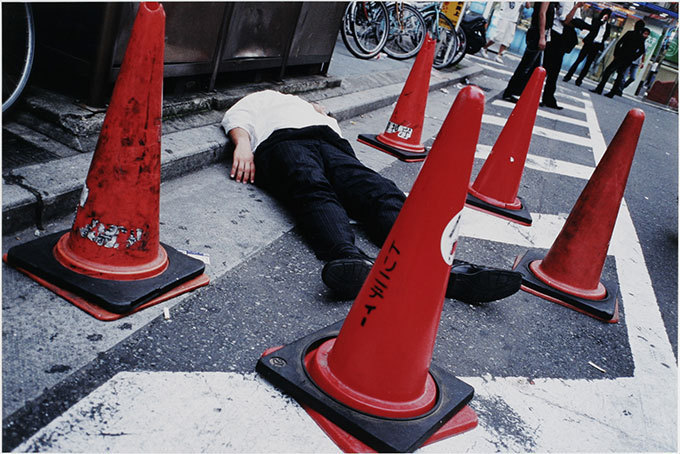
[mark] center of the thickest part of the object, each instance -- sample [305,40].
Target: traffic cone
[405,128]
[570,272]
[497,184]
[111,262]
[373,378]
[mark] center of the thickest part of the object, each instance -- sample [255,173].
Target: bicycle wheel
[18,46]
[364,28]
[407,31]
[447,40]
[462,45]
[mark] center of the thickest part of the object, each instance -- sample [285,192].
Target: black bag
[474,26]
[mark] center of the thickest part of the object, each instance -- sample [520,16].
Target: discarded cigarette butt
[166,314]
[597,367]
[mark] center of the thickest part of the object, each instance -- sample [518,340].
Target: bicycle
[18,47]
[406,32]
[444,32]
[364,28]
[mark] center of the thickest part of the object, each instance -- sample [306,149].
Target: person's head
[639,25]
[645,32]
[605,14]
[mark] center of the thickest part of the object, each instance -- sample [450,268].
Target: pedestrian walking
[536,39]
[563,39]
[507,15]
[303,161]
[627,49]
[593,44]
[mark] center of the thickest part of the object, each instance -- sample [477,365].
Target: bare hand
[541,43]
[243,168]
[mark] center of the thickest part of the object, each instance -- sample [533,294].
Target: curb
[35,194]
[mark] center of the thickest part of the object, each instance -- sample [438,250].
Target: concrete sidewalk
[66,132]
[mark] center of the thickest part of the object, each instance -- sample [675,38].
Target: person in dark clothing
[302,160]
[563,38]
[536,39]
[593,44]
[627,49]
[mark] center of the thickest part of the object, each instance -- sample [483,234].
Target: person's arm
[243,167]
[570,15]
[541,24]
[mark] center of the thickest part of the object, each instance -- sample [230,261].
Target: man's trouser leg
[592,53]
[553,62]
[531,59]
[367,196]
[581,55]
[294,172]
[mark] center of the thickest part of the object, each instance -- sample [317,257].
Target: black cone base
[285,369]
[403,155]
[118,297]
[521,216]
[606,310]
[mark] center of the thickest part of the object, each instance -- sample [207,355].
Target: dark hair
[645,30]
[605,12]
[639,25]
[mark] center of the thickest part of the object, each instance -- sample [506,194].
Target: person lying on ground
[302,160]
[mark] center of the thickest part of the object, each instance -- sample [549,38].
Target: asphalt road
[188,383]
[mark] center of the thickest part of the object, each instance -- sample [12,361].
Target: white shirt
[264,112]
[509,11]
[561,11]
[600,33]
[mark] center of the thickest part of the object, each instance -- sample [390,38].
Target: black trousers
[588,52]
[531,59]
[619,65]
[317,176]
[552,62]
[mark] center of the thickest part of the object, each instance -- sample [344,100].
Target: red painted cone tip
[115,234]
[380,361]
[405,128]
[575,261]
[499,178]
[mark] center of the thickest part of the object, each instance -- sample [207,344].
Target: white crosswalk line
[544,114]
[543,132]
[544,164]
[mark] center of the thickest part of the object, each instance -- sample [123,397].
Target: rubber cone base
[520,216]
[285,369]
[103,298]
[606,310]
[403,155]
[464,420]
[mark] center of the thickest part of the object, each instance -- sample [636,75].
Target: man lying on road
[303,161]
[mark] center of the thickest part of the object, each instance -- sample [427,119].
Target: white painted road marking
[543,132]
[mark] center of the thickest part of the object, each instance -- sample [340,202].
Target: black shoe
[578,82]
[510,98]
[345,276]
[477,284]
[595,90]
[552,105]
[611,94]
[566,79]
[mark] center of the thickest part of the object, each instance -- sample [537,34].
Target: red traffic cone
[497,184]
[570,273]
[405,128]
[373,379]
[111,261]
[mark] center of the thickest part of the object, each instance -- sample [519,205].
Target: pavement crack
[18,180]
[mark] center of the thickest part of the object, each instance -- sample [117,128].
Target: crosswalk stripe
[544,164]
[543,132]
[544,114]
